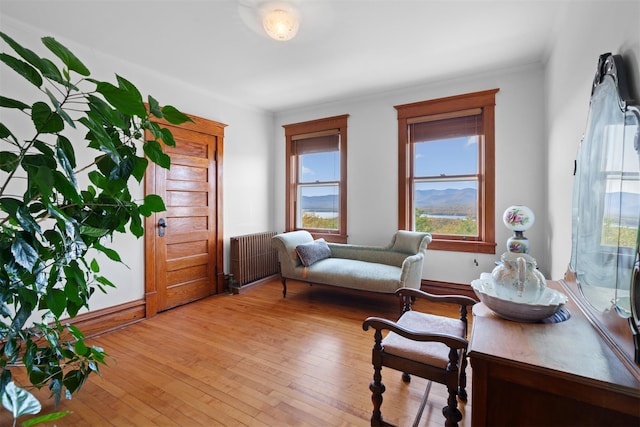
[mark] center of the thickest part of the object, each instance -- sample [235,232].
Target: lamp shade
[280,24]
[518,218]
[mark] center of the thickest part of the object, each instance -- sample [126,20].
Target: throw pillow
[313,252]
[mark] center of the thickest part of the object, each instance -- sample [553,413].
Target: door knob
[162,225]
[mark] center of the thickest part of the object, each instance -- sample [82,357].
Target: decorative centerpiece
[516,289]
[518,218]
[519,309]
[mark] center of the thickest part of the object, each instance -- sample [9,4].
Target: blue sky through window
[456,156]
[319,167]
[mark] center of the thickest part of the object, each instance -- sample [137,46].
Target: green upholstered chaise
[373,268]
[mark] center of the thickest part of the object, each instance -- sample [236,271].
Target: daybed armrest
[411,276]
[285,244]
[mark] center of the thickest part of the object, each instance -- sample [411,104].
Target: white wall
[537,132]
[592,28]
[373,165]
[248,155]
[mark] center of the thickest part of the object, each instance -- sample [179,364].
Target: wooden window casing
[451,107]
[310,136]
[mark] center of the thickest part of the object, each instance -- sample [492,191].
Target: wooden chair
[429,346]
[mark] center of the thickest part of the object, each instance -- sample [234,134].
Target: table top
[571,348]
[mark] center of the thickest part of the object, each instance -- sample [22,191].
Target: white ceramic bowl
[514,308]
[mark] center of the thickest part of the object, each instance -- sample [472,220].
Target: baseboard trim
[247,286]
[94,323]
[447,288]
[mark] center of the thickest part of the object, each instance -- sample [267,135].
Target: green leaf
[152,203]
[154,128]
[93,231]
[136,226]
[174,116]
[19,401]
[66,188]
[167,137]
[56,301]
[25,53]
[81,348]
[43,148]
[46,67]
[122,170]
[154,107]
[36,376]
[103,280]
[45,418]
[153,150]
[24,254]
[110,253]
[95,267]
[5,132]
[45,120]
[65,146]
[139,168]
[63,114]
[13,103]
[22,68]
[27,222]
[104,111]
[98,179]
[8,161]
[98,134]
[126,98]
[43,180]
[10,205]
[68,58]
[52,72]
[73,380]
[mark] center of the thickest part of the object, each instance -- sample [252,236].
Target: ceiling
[344,48]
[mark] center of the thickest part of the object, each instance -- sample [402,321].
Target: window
[316,170]
[446,171]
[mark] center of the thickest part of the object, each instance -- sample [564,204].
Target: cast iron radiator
[252,257]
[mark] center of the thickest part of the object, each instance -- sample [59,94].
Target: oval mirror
[606,195]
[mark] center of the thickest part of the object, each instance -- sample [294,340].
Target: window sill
[329,237]
[462,246]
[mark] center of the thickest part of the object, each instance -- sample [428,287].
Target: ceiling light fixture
[280,24]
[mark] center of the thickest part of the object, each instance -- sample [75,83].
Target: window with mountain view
[446,171]
[316,177]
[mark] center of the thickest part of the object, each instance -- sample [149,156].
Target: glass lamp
[280,24]
[518,218]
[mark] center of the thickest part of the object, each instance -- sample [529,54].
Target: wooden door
[183,259]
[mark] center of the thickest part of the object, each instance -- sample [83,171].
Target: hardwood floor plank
[252,359]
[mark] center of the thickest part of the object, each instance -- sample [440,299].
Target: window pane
[449,207]
[319,167]
[456,156]
[318,207]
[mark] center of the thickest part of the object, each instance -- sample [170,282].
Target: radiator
[252,257]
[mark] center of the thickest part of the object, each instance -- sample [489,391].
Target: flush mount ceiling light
[280,23]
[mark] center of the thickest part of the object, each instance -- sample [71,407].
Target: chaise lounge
[382,269]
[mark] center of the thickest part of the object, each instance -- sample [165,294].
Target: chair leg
[451,412]
[462,381]
[377,388]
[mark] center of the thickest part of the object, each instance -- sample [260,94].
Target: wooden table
[548,374]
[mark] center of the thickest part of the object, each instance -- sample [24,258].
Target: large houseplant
[57,214]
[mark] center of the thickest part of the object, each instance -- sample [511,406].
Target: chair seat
[430,353]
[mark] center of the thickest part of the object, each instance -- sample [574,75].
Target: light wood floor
[253,359]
